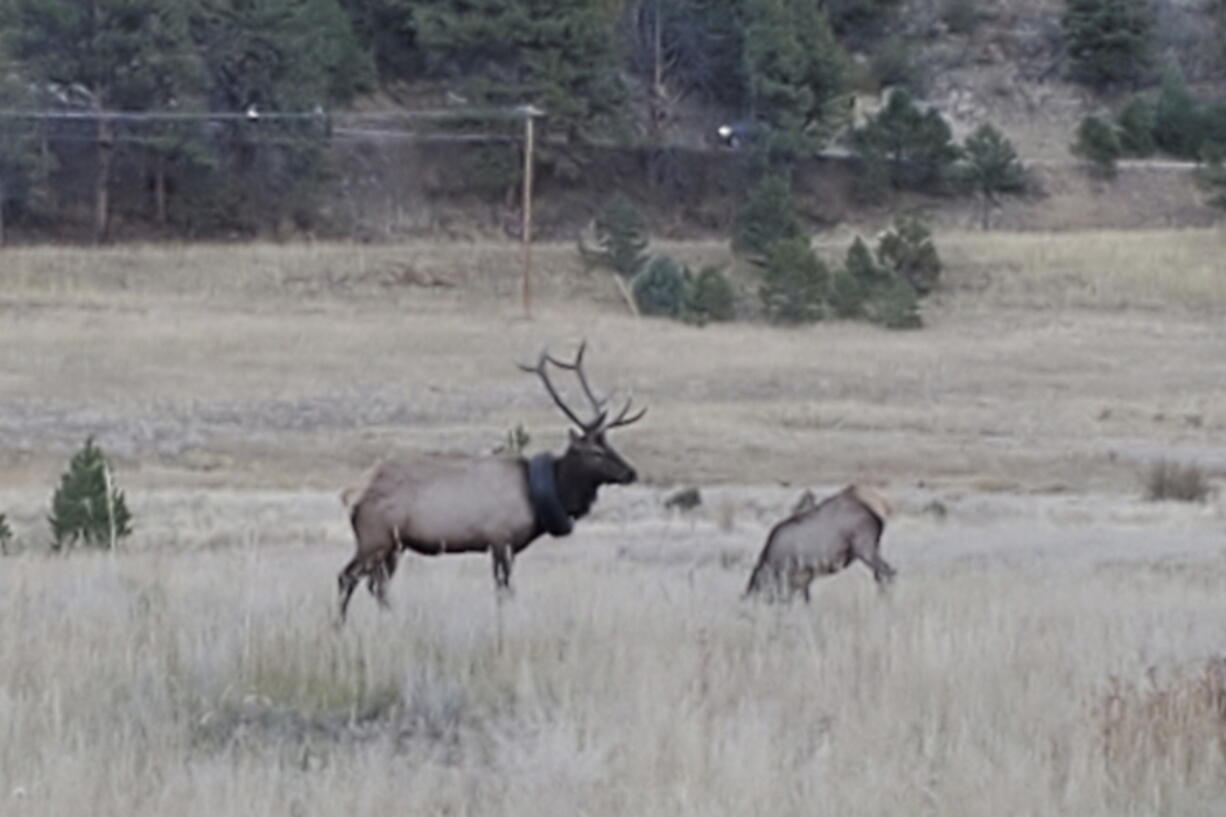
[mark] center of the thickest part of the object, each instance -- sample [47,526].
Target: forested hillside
[232,117]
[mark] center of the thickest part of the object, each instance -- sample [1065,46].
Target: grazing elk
[822,538]
[434,504]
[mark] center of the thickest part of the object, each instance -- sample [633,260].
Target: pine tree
[1179,126]
[273,56]
[894,306]
[384,28]
[1099,144]
[852,285]
[620,237]
[692,46]
[559,55]
[128,55]
[660,288]
[797,73]
[1136,127]
[23,168]
[908,252]
[280,55]
[916,145]
[87,507]
[710,297]
[766,216]
[795,282]
[991,167]
[1108,41]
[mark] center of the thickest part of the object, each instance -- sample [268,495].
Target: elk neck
[577,485]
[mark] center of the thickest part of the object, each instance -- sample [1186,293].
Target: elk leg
[379,576]
[882,571]
[502,557]
[346,582]
[867,549]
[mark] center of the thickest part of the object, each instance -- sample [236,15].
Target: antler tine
[623,420]
[599,407]
[540,371]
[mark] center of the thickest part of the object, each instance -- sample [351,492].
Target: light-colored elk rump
[434,504]
[820,539]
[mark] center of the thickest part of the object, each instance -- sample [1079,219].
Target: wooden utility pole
[530,114]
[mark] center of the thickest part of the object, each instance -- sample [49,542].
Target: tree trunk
[102,183]
[159,188]
[989,202]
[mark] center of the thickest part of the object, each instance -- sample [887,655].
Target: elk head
[589,461]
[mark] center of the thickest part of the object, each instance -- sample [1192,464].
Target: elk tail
[872,499]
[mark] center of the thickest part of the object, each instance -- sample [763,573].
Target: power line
[253,114]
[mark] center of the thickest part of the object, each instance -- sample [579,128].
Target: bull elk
[434,504]
[822,538]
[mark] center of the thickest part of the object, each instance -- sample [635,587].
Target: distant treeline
[603,70]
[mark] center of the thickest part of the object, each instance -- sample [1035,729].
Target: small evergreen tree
[1108,41]
[82,509]
[991,167]
[874,289]
[1136,124]
[1213,118]
[709,297]
[660,289]
[766,216]
[917,145]
[795,282]
[894,306]
[851,285]
[1179,127]
[908,252]
[620,238]
[1099,144]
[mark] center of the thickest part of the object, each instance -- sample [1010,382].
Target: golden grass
[241,387]
[1103,269]
[213,683]
[1139,269]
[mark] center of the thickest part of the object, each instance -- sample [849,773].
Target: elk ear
[574,438]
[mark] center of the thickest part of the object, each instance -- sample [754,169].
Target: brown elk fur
[820,539]
[435,504]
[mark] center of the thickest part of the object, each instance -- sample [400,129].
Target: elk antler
[622,419]
[599,407]
[541,371]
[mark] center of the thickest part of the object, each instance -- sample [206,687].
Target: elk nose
[631,476]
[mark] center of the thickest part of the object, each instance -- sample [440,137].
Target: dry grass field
[1053,644]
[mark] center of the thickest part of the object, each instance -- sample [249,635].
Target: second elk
[822,538]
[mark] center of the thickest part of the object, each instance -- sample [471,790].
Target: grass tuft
[1184,482]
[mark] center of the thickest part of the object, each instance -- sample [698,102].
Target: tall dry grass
[1097,269]
[213,684]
